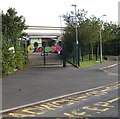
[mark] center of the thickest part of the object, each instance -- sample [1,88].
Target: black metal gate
[71,54]
[51,58]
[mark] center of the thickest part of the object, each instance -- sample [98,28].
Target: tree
[13,25]
[12,30]
[69,35]
[90,31]
[111,39]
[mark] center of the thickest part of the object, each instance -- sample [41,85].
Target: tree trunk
[89,53]
[96,52]
[92,52]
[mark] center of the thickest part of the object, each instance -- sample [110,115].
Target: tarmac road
[101,102]
[114,70]
[40,83]
[99,105]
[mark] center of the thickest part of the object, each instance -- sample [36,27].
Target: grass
[88,63]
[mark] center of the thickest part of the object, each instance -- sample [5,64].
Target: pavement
[38,82]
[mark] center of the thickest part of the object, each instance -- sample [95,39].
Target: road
[37,84]
[101,102]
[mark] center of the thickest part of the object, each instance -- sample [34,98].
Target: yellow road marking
[59,101]
[70,101]
[69,115]
[103,104]
[47,107]
[20,115]
[81,97]
[77,113]
[39,108]
[113,100]
[52,105]
[94,108]
[31,111]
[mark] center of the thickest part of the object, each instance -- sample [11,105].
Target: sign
[12,49]
[31,49]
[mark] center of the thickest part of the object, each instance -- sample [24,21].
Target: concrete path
[37,82]
[36,59]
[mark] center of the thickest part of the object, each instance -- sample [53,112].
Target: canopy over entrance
[44,35]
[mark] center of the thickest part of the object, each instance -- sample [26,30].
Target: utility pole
[76,24]
[77,43]
[101,57]
[61,23]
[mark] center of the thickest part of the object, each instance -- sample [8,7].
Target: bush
[13,61]
[13,27]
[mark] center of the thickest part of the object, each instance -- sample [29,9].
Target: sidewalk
[37,83]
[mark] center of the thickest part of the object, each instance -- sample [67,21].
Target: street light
[101,41]
[60,23]
[77,43]
[76,23]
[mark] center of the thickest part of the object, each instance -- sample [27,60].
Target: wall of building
[39,41]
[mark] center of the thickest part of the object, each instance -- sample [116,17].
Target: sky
[47,12]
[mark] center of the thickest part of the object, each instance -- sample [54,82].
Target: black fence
[71,54]
[77,53]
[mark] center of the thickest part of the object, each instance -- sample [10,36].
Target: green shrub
[13,61]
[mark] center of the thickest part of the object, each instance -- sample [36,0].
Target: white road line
[110,73]
[107,67]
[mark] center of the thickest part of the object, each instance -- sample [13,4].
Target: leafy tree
[13,25]
[12,31]
[111,39]
[89,30]
[108,32]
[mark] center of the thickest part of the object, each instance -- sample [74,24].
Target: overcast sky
[46,12]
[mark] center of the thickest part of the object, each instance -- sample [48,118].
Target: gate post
[44,56]
[78,54]
[64,55]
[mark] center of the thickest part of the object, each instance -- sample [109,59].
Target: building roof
[43,35]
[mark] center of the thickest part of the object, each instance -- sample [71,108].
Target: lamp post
[77,43]
[101,41]
[76,23]
[61,23]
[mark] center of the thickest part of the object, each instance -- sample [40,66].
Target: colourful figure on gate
[41,49]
